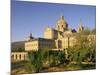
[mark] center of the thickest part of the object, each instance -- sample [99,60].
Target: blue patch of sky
[33,17]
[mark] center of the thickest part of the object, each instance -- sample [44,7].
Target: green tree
[61,57]
[35,59]
[39,59]
[45,56]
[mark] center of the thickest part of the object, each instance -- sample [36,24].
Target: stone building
[19,56]
[58,38]
[39,43]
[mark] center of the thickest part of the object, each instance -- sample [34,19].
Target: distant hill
[17,45]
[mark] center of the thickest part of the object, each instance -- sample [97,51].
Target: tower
[30,37]
[61,24]
[80,28]
[50,33]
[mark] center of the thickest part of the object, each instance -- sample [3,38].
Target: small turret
[30,37]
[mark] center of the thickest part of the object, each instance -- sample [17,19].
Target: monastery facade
[59,38]
[55,39]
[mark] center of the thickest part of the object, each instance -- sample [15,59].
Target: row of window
[29,45]
[18,56]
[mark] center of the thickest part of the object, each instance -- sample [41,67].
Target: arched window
[62,26]
[24,56]
[16,56]
[20,56]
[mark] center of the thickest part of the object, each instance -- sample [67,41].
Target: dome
[61,24]
[61,20]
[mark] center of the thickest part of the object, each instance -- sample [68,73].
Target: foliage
[86,31]
[57,57]
[39,59]
[45,58]
[29,67]
[82,51]
[61,57]
[35,59]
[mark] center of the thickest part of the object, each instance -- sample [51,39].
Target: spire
[62,17]
[81,24]
[81,28]
[30,36]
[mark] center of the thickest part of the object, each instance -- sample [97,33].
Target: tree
[39,59]
[35,59]
[45,56]
[61,57]
[29,67]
